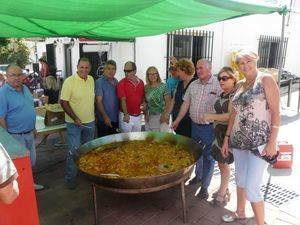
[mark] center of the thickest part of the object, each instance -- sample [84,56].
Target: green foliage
[14,51]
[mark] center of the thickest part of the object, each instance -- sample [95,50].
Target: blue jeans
[205,164]
[76,136]
[27,140]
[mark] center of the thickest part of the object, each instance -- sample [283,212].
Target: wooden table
[50,130]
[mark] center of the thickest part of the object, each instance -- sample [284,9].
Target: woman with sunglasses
[157,99]
[251,134]
[222,107]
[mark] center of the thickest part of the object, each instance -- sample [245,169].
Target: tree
[14,51]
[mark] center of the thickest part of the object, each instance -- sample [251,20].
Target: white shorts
[134,124]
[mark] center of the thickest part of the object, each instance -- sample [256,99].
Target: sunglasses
[128,71]
[225,78]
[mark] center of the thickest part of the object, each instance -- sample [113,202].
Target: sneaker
[38,187]
[194,181]
[203,194]
[71,184]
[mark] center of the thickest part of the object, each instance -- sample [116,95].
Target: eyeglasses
[225,78]
[128,71]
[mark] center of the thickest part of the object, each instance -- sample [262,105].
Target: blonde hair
[50,83]
[186,65]
[147,74]
[230,72]
[245,53]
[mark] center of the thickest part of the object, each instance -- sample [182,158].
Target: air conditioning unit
[96,48]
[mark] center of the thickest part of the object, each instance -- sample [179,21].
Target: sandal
[232,217]
[220,201]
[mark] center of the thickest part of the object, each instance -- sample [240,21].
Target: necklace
[247,85]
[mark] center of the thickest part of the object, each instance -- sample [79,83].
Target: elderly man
[17,114]
[107,101]
[9,189]
[130,91]
[77,100]
[199,99]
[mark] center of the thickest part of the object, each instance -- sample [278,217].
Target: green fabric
[155,98]
[117,19]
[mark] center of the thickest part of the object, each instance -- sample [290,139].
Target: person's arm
[126,117]
[165,115]
[3,123]
[225,147]
[223,117]
[67,108]
[273,99]
[9,193]
[183,110]
[101,110]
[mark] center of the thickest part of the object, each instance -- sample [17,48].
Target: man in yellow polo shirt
[77,100]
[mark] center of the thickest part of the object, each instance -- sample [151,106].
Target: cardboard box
[54,118]
[54,115]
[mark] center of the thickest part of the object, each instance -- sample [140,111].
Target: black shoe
[71,184]
[203,194]
[194,181]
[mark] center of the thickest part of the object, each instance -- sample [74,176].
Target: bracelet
[276,127]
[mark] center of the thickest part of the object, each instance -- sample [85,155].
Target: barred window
[190,44]
[268,51]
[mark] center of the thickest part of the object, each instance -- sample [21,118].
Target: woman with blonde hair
[157,100]
[227,79]
[251,134]
[51,91]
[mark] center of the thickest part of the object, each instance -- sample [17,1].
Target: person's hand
[107,121]
[126,118]
[78,122]
[201,119]
[173,60]
[207,118]
[175,124]
[143,107]
[164,118]
[225,148]
[270,150]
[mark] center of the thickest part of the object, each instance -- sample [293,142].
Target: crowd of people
[235,121]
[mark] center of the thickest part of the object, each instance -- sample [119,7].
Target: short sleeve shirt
[202,97]
[155,98]
[17,109]
[8,171]
[134,94]
[80,94]
[108,91]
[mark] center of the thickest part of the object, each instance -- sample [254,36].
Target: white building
[228,36]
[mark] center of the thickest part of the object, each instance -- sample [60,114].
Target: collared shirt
[8,171]
[17,109]
[134,94]
[80,94]
[202,97]
[108,90]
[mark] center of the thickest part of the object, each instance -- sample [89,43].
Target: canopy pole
[281,49]
[134,51]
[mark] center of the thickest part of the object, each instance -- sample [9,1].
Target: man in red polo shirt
[130,91]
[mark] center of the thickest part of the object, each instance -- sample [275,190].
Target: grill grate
[277,195]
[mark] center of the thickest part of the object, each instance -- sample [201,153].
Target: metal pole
[289,92]
[134,51]
[95,204]
[281,48]
[183,201]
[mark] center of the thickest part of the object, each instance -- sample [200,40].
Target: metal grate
[277,195]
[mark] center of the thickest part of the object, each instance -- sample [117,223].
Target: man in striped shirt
[199,99]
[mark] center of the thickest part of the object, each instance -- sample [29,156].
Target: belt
[135,115]
[27,132]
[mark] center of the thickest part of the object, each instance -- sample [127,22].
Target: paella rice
[135,159]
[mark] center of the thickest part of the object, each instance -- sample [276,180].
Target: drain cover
[276,194]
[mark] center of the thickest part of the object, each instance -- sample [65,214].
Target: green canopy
[117,19]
